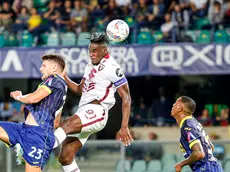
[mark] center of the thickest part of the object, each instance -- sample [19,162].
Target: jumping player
[102,77]
[36,135]
[194,142]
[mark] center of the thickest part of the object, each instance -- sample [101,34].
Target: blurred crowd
[168,16]
[158,112]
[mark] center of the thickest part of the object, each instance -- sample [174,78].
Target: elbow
[32,100]
[200,155]
[128,100]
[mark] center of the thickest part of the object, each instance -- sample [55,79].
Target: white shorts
[93,118]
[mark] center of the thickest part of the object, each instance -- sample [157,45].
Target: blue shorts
[213,166]
[37,143]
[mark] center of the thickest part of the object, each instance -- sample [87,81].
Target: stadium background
[175,47]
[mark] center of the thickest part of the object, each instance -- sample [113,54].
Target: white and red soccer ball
[117,30]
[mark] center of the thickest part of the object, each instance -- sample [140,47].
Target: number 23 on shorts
[35,153]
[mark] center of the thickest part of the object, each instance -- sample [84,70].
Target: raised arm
[73,86]
[124,132]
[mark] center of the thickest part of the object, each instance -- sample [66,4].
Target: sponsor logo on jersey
[119,72]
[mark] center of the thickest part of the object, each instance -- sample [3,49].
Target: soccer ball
[117,30]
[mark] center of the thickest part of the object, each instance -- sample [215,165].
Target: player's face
[176,107]
[96,52]
[46,69]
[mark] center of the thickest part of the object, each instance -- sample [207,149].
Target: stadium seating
[53,39]
[201,22]
[204,37]
[221,162]
[27,39]
[179,157]
[2,40]
[154,165]
[157,37]
[83,38]
[227,165]
[192,34]
[144,38]
[139,166]
[130,21]
[120,165]
[68,39]
[221,36]
[169,162]
[100,26]
[186,169]
[40,3]
[44,39]
[168,166]
[131,38]
[11,40]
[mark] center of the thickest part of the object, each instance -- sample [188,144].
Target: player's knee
[72,125]
[3,135]
[65,160]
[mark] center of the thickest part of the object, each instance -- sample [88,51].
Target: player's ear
[55,67]
[105,50]
[180,109]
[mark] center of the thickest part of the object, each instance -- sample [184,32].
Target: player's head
[52,64]
[183,105]
[98,47]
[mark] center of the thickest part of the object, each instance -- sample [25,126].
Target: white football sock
[60,136]
[73,167]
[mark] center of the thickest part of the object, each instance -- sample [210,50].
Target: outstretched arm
[124,132]
[31,98]
[197,154]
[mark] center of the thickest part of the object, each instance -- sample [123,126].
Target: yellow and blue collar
[183,120]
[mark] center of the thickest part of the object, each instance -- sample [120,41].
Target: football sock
[60,136]
[73,167]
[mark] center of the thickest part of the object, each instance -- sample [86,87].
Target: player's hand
[63,74]
[178,167]
[125,136]
[16,95]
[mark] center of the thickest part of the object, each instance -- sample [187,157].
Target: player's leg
[89,118]
[37,145]
[71,125]
[9,132]
[29,168]
[70,147]
[4,136]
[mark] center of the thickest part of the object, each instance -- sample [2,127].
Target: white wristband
[18,98]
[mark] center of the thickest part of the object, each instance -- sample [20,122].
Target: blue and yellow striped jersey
[191,133]
[46,110]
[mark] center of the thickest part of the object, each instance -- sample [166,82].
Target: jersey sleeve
[116,75]
[191,134]
[85,73]
[50,83]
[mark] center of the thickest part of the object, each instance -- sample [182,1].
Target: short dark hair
[56,58]
[99,38]
[189,103]
[217,3]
